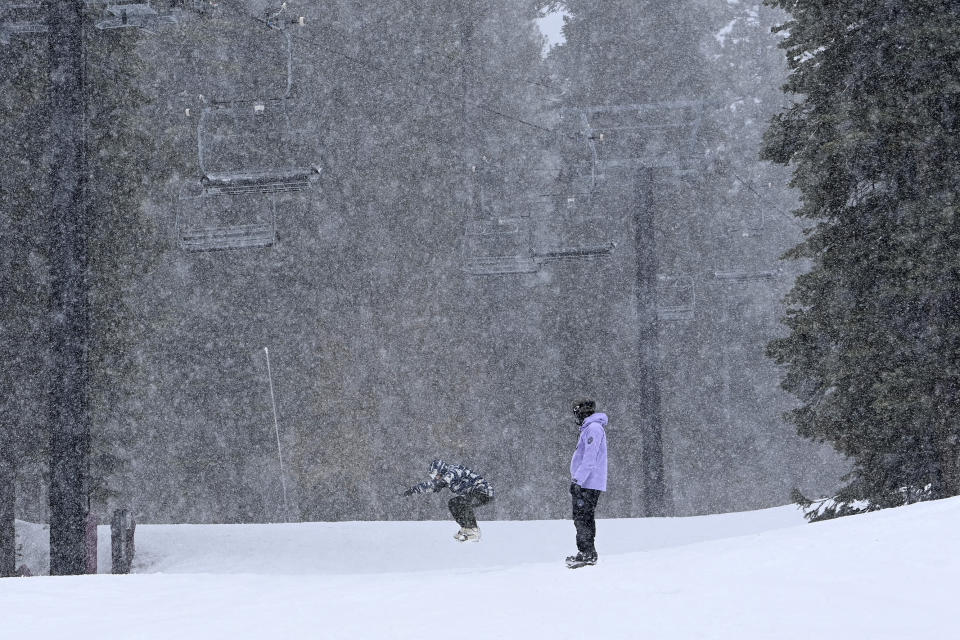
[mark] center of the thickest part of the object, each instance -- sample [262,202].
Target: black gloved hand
[574,487]
[408,492]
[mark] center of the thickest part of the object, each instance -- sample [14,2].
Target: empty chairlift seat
[131,15]
[21,19]
[572,229]
[574,171]
[676,298]
[255,147]
[223,222]
[495,247]
[654,135]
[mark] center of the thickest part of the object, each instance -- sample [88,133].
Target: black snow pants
[461,507]
[584,507]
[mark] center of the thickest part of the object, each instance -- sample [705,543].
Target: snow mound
[753,575]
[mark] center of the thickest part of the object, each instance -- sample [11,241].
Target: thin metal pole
[276,427]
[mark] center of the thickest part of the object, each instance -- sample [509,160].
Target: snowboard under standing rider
[471,491]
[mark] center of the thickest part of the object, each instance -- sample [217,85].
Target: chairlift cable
[318,47]
[411,42]
[789,216]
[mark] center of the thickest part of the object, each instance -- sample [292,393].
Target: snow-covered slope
[761,575]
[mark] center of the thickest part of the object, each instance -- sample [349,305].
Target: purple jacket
[589,465]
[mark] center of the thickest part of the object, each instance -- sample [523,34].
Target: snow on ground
[752,575]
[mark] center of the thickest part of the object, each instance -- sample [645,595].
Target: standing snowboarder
[471,491]
[588,478]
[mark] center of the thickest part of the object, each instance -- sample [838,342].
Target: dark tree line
[435,123]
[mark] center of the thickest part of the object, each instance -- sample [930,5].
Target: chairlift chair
[576,174]
[573,230]
[574,252]
[744,275]
[650,135]
[252,236]
[498,247]
[131,15]
[676,298]
[246,140]
[247,149]
[508,246]
[252,148]
[279,181]
[8,29]
[21,19]
[225,222]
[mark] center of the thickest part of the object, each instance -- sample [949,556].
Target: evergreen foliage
[123,165]
[122,245]
[873,346]
[23,294]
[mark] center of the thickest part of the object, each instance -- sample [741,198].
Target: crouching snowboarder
[471,491]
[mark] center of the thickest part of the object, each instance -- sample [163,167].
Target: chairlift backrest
[119,14]
[223,222]
[651,135]
[21,19]
[676,298]
[250,148]
[253,236]
[498,247]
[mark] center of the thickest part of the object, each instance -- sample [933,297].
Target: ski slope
[751,575]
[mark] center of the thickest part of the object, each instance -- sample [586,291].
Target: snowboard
[576,564]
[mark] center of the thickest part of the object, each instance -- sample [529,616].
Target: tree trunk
[69,415]
[944,394]
[655,498]
[8,538]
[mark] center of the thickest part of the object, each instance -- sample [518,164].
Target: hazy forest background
[488,240]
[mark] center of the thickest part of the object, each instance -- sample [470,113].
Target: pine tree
[120,244]
[125,162]
[873,346]
[23,281]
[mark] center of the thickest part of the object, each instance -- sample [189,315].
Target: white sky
[550,26]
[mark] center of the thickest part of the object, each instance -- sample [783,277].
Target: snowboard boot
[468,534]
[581,560]
[461,535]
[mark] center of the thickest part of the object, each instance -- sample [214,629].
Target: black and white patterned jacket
[457,477]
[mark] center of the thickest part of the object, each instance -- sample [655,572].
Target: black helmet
[584,409]
[437,468]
